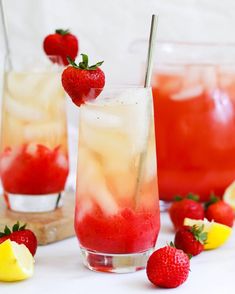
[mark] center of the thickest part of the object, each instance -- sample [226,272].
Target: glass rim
[108,94]
[187,43]
[31,55]
[121,87]
[197,53]
[27,63]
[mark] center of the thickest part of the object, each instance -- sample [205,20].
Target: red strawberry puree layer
[33,169]
[126,232]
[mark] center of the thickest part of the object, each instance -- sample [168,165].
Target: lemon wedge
[229,195]
[16,262]
[217,234]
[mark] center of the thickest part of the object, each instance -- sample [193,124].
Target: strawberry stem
[199,234]
[213,199]
[84,63]
[193,197]
[7,231]
[16,227]
[178,198]
[172,244]
[62,32]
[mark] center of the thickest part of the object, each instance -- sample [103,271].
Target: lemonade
[34,157]
[195,127]
[117,213]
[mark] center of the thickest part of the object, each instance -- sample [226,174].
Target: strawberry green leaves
[199,233]
[84,63]
[16,227]
[62,32]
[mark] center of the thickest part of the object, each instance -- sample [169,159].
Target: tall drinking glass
[34,157]
[117,211]
[194,98]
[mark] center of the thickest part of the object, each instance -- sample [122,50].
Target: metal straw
[151,50]
[148,76]
[5,32]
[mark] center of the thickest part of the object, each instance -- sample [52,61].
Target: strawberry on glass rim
[83,82]
[62,44]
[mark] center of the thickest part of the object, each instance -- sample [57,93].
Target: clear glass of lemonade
[34,156]
[117,211]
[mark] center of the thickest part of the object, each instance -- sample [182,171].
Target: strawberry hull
[123,233]
[33,169]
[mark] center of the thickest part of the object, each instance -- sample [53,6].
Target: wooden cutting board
[49,227]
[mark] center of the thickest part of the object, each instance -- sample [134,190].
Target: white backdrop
[106,28]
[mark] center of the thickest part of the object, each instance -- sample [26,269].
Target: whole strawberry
[187,207]
[219,211]
[62,43]
[168,267]
[191,239]
[83,82]
[20,235]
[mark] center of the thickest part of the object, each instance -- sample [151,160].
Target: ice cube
[85,207]
[188,93]
[122,185]
[42,88]
[136,118]
[62,161]
[104,141]
[210,78]
[23,86]
[24,112]
[91,181]
[168,83]
[7,159]
[46,130]
[32,149]
[150,168]
[120,125]
[50,91]
[12,131]
[100,118]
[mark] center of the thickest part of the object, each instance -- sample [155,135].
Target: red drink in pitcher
[195,129]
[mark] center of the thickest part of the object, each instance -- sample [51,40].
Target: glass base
[33,203]
[115,263]
[164,205]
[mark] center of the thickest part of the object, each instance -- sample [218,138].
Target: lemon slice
[229,195]
[16,262]
[218,234]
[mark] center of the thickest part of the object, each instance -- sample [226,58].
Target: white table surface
[58,269]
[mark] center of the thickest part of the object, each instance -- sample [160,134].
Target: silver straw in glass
[5,32]
[151,50]
[148,76]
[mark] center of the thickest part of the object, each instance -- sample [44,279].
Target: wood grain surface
[49,227]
